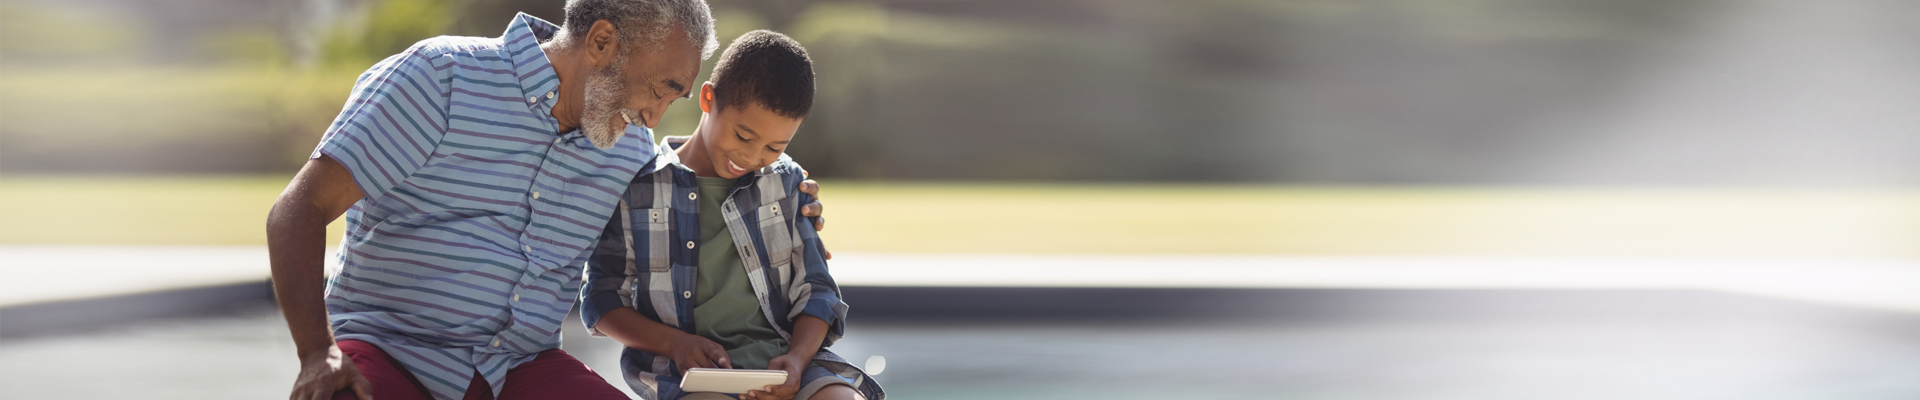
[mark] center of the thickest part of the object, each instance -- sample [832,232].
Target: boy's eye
[742,138]
[770,148]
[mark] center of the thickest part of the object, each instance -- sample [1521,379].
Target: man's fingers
[810,187]
[812,209]
[362,388]
[824,254]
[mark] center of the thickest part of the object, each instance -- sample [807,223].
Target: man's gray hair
[644,21]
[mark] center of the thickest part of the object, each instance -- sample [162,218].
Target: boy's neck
[694,153]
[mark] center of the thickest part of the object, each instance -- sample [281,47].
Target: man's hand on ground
[813,210]
[692,351]
[794,365]
[323,374]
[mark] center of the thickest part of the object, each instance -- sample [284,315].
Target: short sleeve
[391,123]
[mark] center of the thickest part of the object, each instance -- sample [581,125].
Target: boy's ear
[706,97]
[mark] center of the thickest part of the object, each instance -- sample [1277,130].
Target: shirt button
[691,196]
[496,342]
[686,294]
[550,95]
[528,249]
[775,208]
[536,196]
[533,99]
[516,297]
[689,244]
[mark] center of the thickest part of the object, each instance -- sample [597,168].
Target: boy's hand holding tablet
[790,363]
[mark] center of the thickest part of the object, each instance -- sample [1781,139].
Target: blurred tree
[385,28]
[779,15]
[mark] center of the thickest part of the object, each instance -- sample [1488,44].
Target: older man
[474,174]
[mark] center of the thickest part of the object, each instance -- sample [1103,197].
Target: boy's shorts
[814,378]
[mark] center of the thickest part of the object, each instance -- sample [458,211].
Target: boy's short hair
[766,68]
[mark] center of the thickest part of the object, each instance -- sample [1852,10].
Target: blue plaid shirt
[648,256]
[466,253]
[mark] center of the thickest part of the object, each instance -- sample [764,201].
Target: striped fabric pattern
[466,253]
[648,256]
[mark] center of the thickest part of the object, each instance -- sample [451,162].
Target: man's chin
[604,138]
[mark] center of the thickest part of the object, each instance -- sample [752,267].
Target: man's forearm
[296,246]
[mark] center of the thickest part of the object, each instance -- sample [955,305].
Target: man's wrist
[321,353]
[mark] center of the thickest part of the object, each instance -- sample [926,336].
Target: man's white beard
[603,96]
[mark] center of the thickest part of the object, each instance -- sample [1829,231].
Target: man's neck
[566,66]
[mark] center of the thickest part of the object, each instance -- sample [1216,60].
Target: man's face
[744,138]
[637,88]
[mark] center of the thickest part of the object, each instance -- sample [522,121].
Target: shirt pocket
[779,237]
[653,239]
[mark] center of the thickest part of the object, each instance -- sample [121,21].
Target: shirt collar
[538,82]
[666,155]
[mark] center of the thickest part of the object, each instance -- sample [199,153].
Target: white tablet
[730,380]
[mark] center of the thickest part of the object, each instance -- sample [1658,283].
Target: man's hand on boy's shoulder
[813,210]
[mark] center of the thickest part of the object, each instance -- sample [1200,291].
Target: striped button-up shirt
[647,260]
[466,253]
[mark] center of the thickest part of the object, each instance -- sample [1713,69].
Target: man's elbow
[289,216]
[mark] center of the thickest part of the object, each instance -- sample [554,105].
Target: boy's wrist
[804,354]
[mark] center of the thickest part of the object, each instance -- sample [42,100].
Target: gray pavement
[198,323]
[1333,344]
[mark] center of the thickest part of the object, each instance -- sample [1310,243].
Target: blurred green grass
[140,210]
[1121,218]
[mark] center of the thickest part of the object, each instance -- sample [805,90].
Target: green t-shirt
[725,309]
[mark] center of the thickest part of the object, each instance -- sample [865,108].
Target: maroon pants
[551,375]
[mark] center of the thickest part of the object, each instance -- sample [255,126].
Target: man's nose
[653,115]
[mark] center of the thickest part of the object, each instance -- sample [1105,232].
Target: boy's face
[743,138]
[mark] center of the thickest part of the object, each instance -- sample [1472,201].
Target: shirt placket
[542,185]
[539,196]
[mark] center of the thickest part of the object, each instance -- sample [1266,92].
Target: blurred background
[1378,199]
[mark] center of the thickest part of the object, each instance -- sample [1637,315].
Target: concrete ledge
[885,305]
[54,317]
[871,304]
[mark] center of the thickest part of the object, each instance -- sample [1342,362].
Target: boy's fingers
[702,362]
[717,356]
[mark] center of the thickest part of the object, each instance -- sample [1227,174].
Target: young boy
[706,262]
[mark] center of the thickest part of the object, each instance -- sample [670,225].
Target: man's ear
[706,97]
[602,43]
